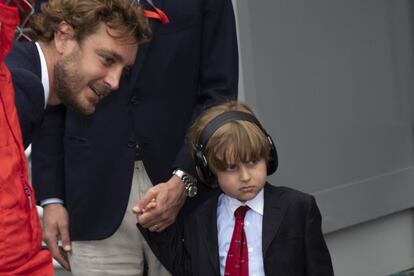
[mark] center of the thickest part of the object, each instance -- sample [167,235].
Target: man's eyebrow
[115,56]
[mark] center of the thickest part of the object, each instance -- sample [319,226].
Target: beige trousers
[125,251]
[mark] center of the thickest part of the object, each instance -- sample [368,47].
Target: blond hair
[234,142]
[85,17]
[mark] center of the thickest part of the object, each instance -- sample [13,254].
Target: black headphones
[201,161]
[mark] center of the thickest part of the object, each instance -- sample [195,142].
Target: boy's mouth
[247,189]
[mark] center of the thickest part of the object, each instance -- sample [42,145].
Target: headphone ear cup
[203,171]
[273,158]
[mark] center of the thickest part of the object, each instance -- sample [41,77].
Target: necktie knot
[241,212]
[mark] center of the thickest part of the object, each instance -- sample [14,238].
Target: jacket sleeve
[29,100]
[318,259]
[47,155]
[219,67]
[168,246]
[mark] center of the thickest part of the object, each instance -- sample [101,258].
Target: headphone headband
[223,119]
[200,159]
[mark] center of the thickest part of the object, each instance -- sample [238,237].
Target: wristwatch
[190,183]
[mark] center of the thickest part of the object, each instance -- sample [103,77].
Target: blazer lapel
[36,61]
[207,223]
[143,48]
[274,211]
[26,55]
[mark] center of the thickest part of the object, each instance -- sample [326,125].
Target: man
[79,72]
[74,61]
[83,47]
[136,139]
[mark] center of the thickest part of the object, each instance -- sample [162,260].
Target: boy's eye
[231,168]
[252,162]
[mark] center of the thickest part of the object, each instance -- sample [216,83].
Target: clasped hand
[160,205]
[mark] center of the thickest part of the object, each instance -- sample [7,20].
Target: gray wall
[333,83]
[376,248]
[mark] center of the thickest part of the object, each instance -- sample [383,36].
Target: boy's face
[243,181]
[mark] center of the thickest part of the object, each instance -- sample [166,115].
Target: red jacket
[20,232]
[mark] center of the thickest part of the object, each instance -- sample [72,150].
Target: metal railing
[26,10]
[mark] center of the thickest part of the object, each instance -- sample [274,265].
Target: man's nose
[113,78]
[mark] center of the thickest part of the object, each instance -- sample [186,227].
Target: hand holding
[168,198]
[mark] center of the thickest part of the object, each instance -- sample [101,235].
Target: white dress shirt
[252,227]
[45,74]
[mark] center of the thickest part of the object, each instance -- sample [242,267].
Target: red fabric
[237,261]
[20,232]
[157,14]
[25,7]
[9,20]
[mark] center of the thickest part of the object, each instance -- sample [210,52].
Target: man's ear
[63,35]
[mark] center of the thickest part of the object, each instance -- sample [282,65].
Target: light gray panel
[366,199]
[333,83]
[377,248]
[247,72]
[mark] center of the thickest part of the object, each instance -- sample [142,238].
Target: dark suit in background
[292,241]
[190,64]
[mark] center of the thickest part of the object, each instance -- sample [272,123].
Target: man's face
[89,70]
[243,181]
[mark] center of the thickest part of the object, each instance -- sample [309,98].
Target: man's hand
[55,227]
[169,197]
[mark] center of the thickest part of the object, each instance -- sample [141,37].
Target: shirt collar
[44,73]
[255,204]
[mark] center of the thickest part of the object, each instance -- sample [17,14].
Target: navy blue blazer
[292,240]
[190,64]
[24,65]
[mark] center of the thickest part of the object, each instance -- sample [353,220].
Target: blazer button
[131,144]
[134,100]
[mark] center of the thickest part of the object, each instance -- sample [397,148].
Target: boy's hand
[169,198]
[151,205]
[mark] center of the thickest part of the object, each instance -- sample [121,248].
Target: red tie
[237,262]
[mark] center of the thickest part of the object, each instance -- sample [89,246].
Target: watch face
[192,191]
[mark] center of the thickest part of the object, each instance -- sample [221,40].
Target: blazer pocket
[283,239]
[292,245]
[76,149]
[76,140]
[178,23]
[287,256]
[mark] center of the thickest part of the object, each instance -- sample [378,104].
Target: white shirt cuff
[52,200]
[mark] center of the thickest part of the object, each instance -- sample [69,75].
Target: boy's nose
[244,174]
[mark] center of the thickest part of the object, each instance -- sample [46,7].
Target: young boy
[248,227]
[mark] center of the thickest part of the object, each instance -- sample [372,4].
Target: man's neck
[51,56]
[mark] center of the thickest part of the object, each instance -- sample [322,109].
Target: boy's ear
[63,35]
